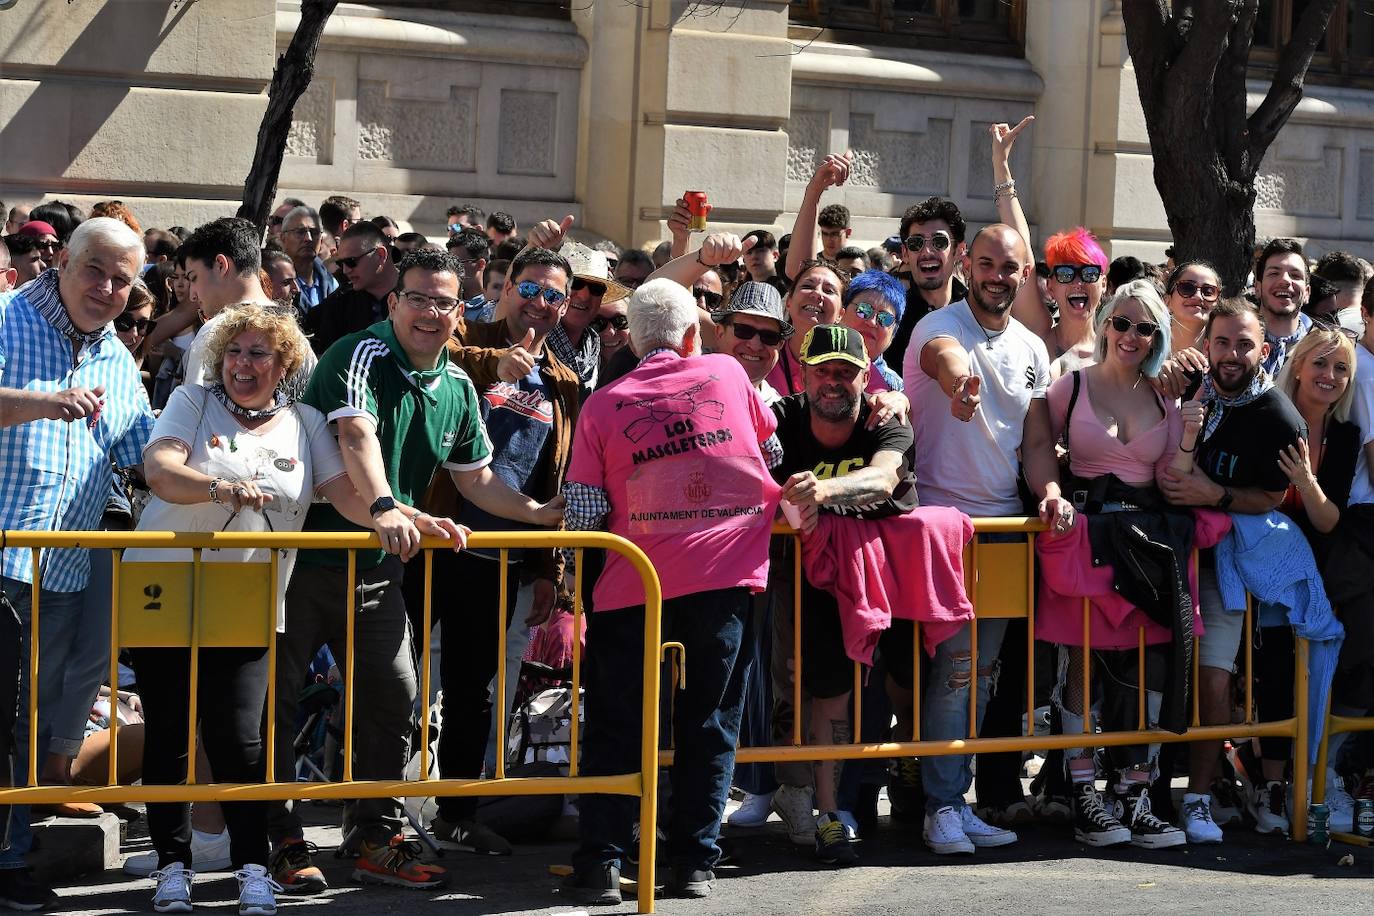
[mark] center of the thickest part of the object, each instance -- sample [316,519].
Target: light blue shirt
[322,285]
[56,476]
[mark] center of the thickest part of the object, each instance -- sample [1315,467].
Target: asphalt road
[1045,873]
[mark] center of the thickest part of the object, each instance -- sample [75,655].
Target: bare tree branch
[1147,40]
[1229,94]
[292,76]
[1285,90]
[1196,64]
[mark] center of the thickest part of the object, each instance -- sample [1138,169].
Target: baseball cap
[826,342]
[760,299]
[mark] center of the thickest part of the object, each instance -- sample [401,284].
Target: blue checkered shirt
[57,475]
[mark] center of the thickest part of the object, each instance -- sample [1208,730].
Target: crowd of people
[342,375]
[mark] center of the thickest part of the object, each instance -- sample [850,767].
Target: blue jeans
[705,721]
[59,629]
[944,714]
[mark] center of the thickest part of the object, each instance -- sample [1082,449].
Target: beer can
[696,202]
[1364,817]
[1318,818]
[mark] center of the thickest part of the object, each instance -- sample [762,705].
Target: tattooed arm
[866,485]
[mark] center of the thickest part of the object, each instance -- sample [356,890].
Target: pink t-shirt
[786,376]
[675,445]
[1093,451]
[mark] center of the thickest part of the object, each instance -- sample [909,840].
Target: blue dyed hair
[1147,294]
[886,285]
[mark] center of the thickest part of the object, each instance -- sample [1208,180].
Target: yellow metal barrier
[1336,725]
[1003,575]
[223,604]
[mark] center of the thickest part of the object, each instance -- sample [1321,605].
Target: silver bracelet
[1004,186]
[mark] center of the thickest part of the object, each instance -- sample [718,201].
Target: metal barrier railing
[1337,725]
[193,610]
[1003,575]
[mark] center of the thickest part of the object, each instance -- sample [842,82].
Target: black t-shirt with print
[801,452]
[1244,449]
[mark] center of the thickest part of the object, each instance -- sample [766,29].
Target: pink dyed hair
[1077,246]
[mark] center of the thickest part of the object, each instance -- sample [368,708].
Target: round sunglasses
[1205,291]
[1122,324]
[1065,273]
[867,312]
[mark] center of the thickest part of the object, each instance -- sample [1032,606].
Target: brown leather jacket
[477,348]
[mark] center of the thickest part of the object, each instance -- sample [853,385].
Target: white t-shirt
[291,458]
[1362,414]
[973,466]
[199,371]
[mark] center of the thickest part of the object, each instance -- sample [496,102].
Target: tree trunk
[290,79]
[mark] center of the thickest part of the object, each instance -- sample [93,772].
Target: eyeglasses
[709,299]
[1205,291]
[1064,273]
[749,332]
[303,230]
[619,322]
[596,289]
[528,289]
[867,312]
[350,263]
[939,241]
[420,302]
[126,323]
[1122,324]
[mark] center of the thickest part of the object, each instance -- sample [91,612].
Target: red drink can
[696,202]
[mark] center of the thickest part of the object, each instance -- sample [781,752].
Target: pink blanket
[908,566]
[1067,576]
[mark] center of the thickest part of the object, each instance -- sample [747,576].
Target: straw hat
[590,264]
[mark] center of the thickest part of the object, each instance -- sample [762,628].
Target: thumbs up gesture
[549,234]
[520,359]
[965,399]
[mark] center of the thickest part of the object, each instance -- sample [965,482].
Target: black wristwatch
[383,504]
[1226,498]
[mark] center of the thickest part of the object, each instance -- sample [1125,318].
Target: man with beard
[977,380]
[833,462]
[1281,283]
[932,240]
[1248,424]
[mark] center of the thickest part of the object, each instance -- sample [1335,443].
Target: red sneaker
[397,864]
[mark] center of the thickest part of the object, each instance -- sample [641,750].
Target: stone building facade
[610,109]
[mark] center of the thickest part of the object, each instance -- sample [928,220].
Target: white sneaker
[981,833]
[173,894]
[257,891]
[1198,825]
[794,806]
[1339,803]
[752,812]
[209,852]
[1271,807]
[944,833]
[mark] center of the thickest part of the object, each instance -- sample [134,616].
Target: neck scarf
[279,403]
[46,299]
[1217,403]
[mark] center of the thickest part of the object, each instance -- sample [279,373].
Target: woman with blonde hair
[237,454]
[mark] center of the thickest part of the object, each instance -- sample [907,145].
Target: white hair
[107,232]
[660,313]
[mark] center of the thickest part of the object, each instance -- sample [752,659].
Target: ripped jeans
[1116,674]
[944,714]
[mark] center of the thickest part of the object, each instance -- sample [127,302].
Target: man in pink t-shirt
[672,457]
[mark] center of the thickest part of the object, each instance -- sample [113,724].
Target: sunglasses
[528,289]
[596,289]
[127,323]
[49,246]
[275,220]
[1122,324]
[303,230]
[867,312]
[1328,323]
[420,302]
[749,332]
[619,322]
[350,263]
[939,241]
[1188,289]
[709,299]
[1065,273]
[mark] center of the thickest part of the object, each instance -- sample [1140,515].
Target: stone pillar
[683,96]
[156,103]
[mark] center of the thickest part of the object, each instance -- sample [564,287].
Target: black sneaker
[1148,831]
[20,890]
[597,887]
[833,845]
[691,882]
[1093,824]
[469,836]
[905,791]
